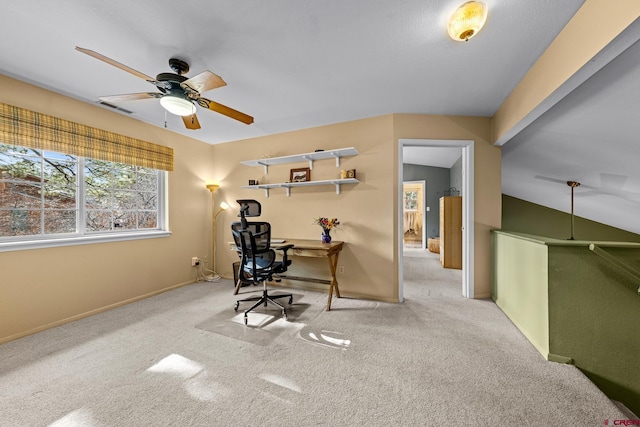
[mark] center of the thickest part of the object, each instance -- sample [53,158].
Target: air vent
[115,107]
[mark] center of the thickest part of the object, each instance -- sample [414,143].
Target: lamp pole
[213,188]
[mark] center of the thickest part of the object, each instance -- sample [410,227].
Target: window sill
[84,240]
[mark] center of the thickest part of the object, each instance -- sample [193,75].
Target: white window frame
[81,237]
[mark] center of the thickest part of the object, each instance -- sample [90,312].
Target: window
[119,197]
[410,200]
[46,195]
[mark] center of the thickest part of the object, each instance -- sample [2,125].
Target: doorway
[466,191]
[414,214]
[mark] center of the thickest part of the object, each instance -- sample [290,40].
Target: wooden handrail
[631,272]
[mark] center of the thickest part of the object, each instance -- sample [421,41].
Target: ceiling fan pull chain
[165,119]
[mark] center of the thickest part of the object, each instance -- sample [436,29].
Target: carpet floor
[185,358]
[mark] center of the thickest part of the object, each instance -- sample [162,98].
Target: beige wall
[368,210]
[487,178]
[365,210]
[45,287]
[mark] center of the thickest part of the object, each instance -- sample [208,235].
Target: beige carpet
[426,279]
[264,324]
[427,362]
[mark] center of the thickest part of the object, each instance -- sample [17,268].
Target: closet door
[442,230]
[451,232]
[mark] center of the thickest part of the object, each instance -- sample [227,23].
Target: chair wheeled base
[264,299]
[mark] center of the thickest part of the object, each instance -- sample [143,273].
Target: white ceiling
[291,64]
[592,136]
[440,157]
[294,64]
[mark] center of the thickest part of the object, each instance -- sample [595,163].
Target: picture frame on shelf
[300,175]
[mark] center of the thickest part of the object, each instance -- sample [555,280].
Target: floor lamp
[223,206]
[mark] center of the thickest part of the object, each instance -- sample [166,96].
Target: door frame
[423,183]
[467,193]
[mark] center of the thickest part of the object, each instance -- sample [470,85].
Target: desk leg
[333,265]
[238,285]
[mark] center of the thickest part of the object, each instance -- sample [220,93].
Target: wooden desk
[315,249]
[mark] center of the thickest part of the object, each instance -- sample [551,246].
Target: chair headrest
[249,208]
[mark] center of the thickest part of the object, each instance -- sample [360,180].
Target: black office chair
[258,261]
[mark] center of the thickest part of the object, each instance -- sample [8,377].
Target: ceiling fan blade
[227,111]
[130,96]
[191,122]
[203,82]
[546,178]
[612,181]
[564,182]
[115,64]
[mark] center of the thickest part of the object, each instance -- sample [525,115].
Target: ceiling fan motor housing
[179,66]
[171,83]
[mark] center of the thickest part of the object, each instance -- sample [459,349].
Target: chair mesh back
[261,232]
[249,207]
[253,243]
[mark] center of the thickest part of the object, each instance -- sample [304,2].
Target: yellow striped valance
[19,126]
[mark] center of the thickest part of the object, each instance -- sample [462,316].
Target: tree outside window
[410,200]
[45,193]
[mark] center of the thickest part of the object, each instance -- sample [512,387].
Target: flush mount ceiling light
[178,106]
[467,20]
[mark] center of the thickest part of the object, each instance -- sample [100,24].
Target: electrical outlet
[341,269]
[195,261]
[205,259]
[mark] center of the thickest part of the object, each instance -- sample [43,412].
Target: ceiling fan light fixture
[467,20]
[178,106]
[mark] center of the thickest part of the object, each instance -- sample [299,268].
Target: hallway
[426,279]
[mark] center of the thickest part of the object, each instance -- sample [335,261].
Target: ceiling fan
[178,93]
[608,181]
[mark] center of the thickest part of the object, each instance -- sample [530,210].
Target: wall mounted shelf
[310,157]
[288,185]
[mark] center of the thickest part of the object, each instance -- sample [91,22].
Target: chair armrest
[284,248]
[285,260]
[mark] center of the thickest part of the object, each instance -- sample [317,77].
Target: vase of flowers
[327,225]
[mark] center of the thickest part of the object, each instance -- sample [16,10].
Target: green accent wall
[526,217]
[522,261]
[574,305]
[594,318]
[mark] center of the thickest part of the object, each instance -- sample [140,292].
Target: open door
[467,193]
